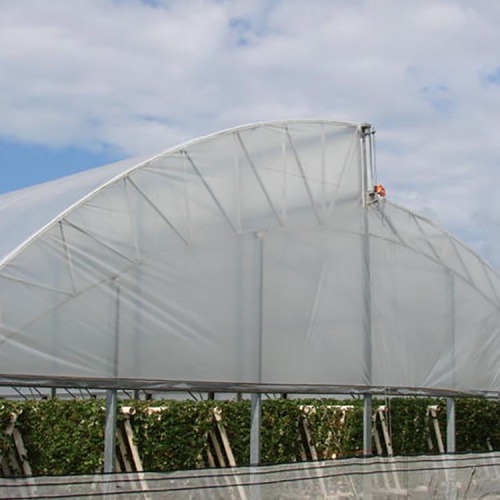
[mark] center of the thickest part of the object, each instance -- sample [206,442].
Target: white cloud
[142,76]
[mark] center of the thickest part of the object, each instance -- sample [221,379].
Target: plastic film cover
[249,256]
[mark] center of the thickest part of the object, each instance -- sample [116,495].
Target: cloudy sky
[87,82]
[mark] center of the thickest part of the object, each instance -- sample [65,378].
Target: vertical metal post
[256,409]
[451,479]
[111,394]
[367,425]
[367,356]
[453,351]
[450,425]
[256,416]
[367,178]
[450,402]
[110,431]
[366,265]
[367,444]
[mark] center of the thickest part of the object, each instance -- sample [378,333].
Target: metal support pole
[256,409]
[111,394]
[256,416]
[366,288]
[367,425]
[367,181]
[450,425]
[110,431]
[367,443]
[451,479]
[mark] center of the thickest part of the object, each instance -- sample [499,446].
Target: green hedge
[66,437]
[6,410]
[477,425]
[409,425]
[175,438]
[63,437]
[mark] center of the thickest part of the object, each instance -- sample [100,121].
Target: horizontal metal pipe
[234,387]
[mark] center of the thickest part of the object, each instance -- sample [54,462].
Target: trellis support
[367,425]
[450,425]
[256,415]
[110,431]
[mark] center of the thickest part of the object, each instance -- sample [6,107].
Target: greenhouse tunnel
[256,257]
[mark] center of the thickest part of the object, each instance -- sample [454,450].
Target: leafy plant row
[66,437]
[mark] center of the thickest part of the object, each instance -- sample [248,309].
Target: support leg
[450,425]
[367,425]
[256,414]
[110,431]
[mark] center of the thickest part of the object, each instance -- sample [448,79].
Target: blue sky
[88,82]
[25,164]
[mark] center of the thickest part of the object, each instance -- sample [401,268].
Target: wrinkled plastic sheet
[447,476]
[252,256]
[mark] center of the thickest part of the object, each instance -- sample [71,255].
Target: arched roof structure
[255,257]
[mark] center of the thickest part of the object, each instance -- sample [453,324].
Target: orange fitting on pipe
[380,190]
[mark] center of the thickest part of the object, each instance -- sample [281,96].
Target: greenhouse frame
[260,259]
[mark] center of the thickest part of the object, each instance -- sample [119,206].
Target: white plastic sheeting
[249,256]
[453,476]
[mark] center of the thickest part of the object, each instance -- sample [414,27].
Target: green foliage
[352,435]
[63,437]
[476,425]
[7,409]
[176,437]
[279,436]
[409,424]
[236,418]
[333,432]
[67,437]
